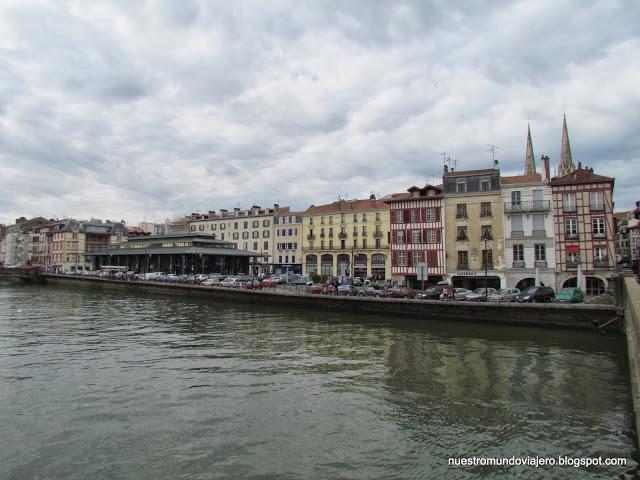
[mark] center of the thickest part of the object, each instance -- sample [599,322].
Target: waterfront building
[474,238]
[250,230]
[185,253]
[18,247]
[347,238]
[153,228]
[3,243]
[623,238]
[72,239]
[287,243]
[584,229]
[417,234]
[634,237]
[528,225]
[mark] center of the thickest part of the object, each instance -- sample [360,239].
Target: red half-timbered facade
[584,229]
[416,234]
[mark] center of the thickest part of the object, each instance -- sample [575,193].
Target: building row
[475,228]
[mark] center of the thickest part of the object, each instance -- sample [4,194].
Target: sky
[147,110]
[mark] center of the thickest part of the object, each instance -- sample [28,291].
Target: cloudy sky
[151,109]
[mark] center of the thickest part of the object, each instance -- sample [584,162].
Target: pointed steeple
[566,162]
[529,162]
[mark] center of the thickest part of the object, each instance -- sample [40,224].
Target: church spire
[529,162]
[566,162]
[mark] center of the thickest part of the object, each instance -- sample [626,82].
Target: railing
[487,237]
[518,264]
[378,234]
[462,238]
[355,234]
[463,266]
[485,214]
[311,236]
[487,265]
[461,215]
[601,263]
[530,206]
[539,233]
[517,233]
[322,235]
[571,236]
[342,235]
[596,207]
[569,208]
[540,264]
[572,264]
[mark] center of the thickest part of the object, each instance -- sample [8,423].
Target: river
[105,384]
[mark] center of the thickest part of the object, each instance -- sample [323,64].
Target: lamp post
[486,268]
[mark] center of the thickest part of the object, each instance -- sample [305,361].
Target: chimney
[446,169]
[212,213]
[276,207]
[224,212]
[372,196]
[545,168]
[236,211]
[496,166]
[579,165]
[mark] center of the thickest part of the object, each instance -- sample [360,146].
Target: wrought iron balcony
[461,216]
[322,235]
[342,235]
[378,234]
[596,207]
[539,233]
[355,233]
[540,264]
[463,266]
[569,208]
[518,264]
[485,214]
[529,206]
[572,263]
[571,236]
[311,236]
[462,238]
[517,233]
[601,262]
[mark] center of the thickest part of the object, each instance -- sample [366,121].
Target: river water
[101,384]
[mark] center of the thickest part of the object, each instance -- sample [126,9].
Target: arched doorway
[360,265]
[572,282]
[311,262]
[344,265]
[326,265]
[525,283]
[595,286]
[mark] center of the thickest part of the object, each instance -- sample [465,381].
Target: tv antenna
[492,149]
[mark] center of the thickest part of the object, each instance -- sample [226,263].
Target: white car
[232,282]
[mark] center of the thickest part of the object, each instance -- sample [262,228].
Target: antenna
[444,158]
[492,149]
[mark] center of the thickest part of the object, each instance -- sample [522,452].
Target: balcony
[531,206]
[378,234]
[487,265]
[571,236]
[517,233]
[311,236]
[462,238]
[518,264]
[463,266]
[342,235]
[355,234]
[540,264]
[487,237]
[601,262]
[485,214]
[461,216]
[322,235]
[596,207]
[572,263]
[569,208]
[539,233]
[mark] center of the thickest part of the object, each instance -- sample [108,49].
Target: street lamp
[486,268]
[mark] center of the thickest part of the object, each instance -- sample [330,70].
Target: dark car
[537,294]
[432,293]
[347,290]
[399,292]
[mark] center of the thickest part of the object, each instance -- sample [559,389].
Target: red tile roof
[521,179]
[581,176]
[345,206]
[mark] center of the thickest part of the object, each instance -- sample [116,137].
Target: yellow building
[474,232]
[347,238]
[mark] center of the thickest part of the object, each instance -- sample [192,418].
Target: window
[599,253]
[330,219]
[364,217]
[541,252]
[571,227]
[255,246]
[431,236]
[516,199]
[402,259]
[461,186]
[322,232]
[377,216]
[223,226]
[235,225]
[255,224]
[430,214]
[538,225]
[330,243]
[245,234]
[222,236]
[378,243]
[355,217]
[364,243]
[193,228]
[279,258]
[463,259]
[355,243]
[485,184]
[322,220]
[331,232]
[518,254]
[343,244]
[416,236]
[293,259]
[415,193]
[462,234]
[255,234]
[355,230]
[417,257]
[364,229]
[322,244]
[596,201]
[598,226]
[485,209]
[246,224]
[461,210]
[236,235]
[569,202]
[400,237]
[487,258]
[245,246]
[486,232]
[266,245]
[414,218]
[342,218]
[399,216]
[517,230]
[265,234]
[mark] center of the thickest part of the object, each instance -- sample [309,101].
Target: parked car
[210,282]
[479,294]
[347,290]
[458,294]
[399,292]
[432,293]
[536,294]
[375,291]
[570,295]
[302,281]
[504,295]
[232,282]
[321,288]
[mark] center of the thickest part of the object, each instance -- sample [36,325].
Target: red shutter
[394,259]
[389,238]
[573,249]
[425,237]
[438,235]
[407,216]
[438,214]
